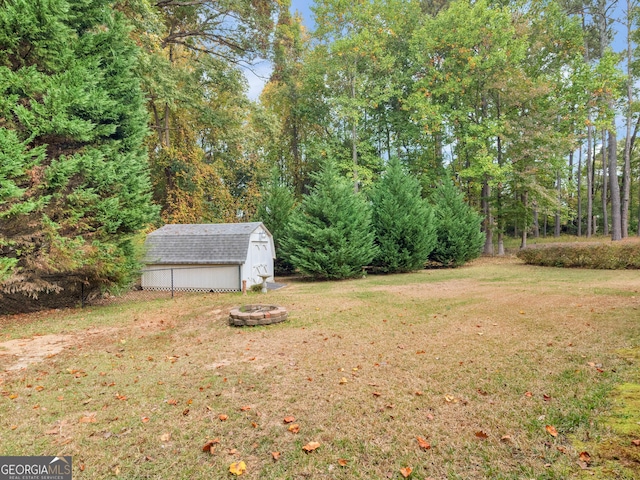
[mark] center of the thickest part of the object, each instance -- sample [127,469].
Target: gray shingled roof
[215,243]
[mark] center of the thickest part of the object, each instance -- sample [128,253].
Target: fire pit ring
[257,314]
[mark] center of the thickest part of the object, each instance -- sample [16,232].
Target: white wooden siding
[193,278]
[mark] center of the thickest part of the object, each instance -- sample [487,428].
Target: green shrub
[330,235]
[608,256]
[459,238]
[403,222]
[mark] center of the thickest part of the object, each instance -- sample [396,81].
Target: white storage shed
[208,257]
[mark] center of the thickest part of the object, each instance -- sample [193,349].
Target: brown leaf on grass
[120,397]
[223,417]
[90,418]
[145,419]
[343,381]
[505,438]
[81,467]
[232,451]
[547,398]
[561,449]
[172,401]
[420,352]
[275,455]
[13,427]
[342,462]
[585,457]
[481,434]
[289,419]
[311,446]
[430,416]
[423,443]
[254,424]
[482,392]
[528,394]
[376,394]
[165,437]
[551,430]
[209,446]
[185,412]
[636,442]
[245,408]
[39,388]
[406,471]
[295,428]
[418,393]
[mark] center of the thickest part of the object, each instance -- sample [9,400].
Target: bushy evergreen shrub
[459,238]
[330,235]
[402,220]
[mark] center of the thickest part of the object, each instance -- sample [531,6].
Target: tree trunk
[579,192]
[488,219]
[556,229]
[589,181]
[605,210]
[616,226]
[626,175]
[536,225]
[354,139]
[525,201]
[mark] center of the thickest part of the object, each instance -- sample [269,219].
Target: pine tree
[275,211]
[330,236]
[73,171]
[459,238]
[402,220]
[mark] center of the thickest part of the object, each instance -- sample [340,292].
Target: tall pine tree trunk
[605,210]
[580,192]
[556,230]
[488,218]
[525,205]
[616,228]
[589,181]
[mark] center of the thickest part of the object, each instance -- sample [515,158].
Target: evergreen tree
[402,221]
[75,185]
[275,211]
[459,238]
[330,236]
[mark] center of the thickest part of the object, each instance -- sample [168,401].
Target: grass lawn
[481,362]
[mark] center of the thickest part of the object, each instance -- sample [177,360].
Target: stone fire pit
[251,315]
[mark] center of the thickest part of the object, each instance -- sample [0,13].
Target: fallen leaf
[406,471]
[311,446]
[145,419]
[482,392]
[420,352]
[295,428]
[13,427]
[223,417]
[585,457]
[289,419]
[342,462]
[423,443]
[120,397]
[39,388]
[209,446]
[450,398]
[165,437]
[546,397]
[232,451]
[275,455]
[430,416]
[172,401]
[528,394]
[505,438]
[551,430]
[13,396]
[376,394]
[245,408]
[636,442]
[418,393]
[562,449]
[481,434]
[88,418]
[237,468]
[185,412]
[82,467]
[254,424]
[343,381]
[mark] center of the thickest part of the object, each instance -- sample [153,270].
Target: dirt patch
[23,352]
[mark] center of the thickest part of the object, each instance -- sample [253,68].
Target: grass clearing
[477,360]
